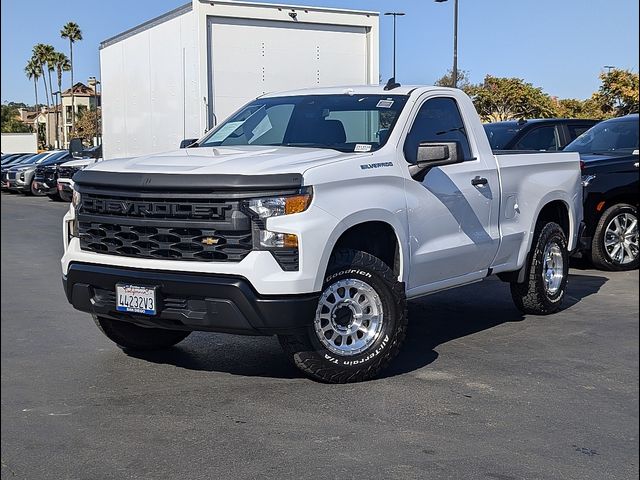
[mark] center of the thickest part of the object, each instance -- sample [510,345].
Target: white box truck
[178,75]
[19,143]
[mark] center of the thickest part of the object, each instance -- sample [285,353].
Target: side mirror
[435,154]
[187,142]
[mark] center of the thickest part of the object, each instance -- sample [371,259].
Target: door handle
[479,181]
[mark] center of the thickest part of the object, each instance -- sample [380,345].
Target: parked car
[46,177]
[544,134]
[314,215]
[65,174]
[609,153]
[14,162]
[9,158]
[20,176]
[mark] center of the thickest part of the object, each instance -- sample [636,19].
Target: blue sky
[559,45]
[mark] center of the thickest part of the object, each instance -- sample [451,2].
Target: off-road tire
[315,360]
[132,337]
[599,257]
[532,296]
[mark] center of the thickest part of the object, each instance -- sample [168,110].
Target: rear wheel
[129,336]
[543,290]
[359,325]
[615,241]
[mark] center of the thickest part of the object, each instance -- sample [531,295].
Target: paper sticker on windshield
[362,147]
[384,104]
[224,131]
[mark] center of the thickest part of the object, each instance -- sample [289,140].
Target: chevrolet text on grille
[154,209]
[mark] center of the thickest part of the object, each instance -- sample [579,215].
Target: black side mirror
[435,154]
[187,142]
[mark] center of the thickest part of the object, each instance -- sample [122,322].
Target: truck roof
[357,89]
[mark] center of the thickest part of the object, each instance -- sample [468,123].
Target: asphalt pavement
[479,391]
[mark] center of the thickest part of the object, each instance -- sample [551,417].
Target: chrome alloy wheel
[552,268]
[349,317]
[621,238]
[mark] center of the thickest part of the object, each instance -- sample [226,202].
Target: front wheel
[65,196]
[359,325]
[615,240]
[129,336]
[543,290]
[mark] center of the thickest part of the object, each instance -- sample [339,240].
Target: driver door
[453,210]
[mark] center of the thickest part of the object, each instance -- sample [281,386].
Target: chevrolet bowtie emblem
[209,240]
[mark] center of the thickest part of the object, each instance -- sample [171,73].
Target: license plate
[136,299]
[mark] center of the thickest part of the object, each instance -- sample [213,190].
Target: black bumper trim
[191,301]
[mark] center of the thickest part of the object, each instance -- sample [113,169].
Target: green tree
[574,108]
[618,94]
[498,99]
[71,31]
[447,79]
[88,124]
[33,72]
[42,53]
[62,64]
[11,124]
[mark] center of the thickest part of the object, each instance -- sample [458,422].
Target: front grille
[11,175]
[166,243]
[67,172]
[171,227]
[46,174]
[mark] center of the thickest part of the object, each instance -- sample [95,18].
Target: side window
[576,130]
[438,120]
[543,138]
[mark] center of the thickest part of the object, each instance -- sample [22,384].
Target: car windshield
[613,136]
[32,159]
[500,134]
[55,158]
[347,123]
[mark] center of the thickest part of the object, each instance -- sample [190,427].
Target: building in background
[86,98]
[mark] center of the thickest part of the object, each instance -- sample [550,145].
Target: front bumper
[191,301]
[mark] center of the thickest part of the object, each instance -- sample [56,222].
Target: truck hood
[241,160]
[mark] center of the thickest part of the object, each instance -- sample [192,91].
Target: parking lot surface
[479,391]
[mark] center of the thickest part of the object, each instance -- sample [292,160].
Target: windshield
[619,136]
[32,159]
[348,123]
[55,158]
[500,134]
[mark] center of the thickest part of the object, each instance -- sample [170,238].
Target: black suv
[609,154]
[546,134]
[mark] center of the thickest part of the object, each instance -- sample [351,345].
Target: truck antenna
[391,84]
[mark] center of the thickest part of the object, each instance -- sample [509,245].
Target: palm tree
[33,71]
[42,52]
[62,64]
[72,32]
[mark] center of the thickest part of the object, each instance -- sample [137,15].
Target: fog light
[277,240]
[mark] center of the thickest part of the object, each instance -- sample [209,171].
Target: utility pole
[395,14]
[454,70]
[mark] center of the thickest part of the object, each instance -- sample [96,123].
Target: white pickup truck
[315,215]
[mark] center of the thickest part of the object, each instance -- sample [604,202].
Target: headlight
[267,207]
[75,200]
[286,205]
